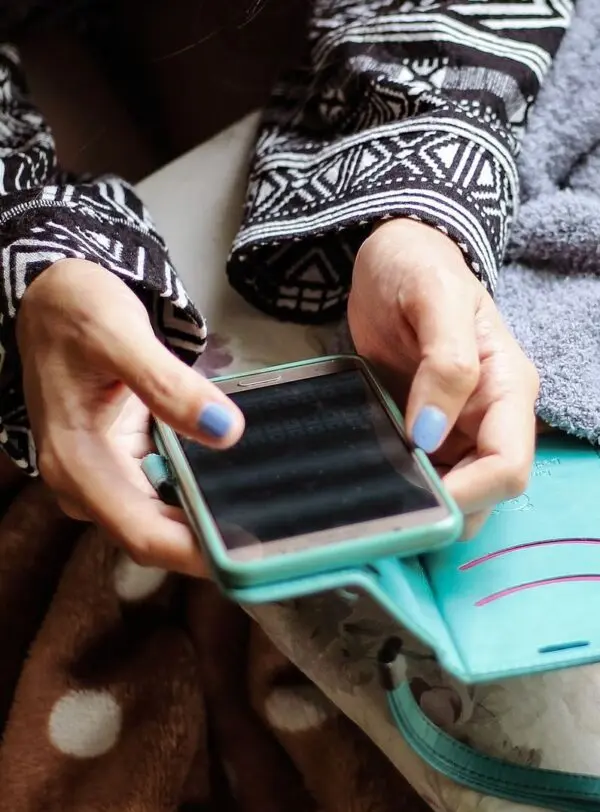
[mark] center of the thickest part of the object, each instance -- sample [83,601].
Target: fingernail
[429,428]
[216,420]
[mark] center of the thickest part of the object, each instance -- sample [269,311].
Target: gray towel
[549,292]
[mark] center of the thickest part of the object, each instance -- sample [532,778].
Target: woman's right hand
[419,314]
[93,371]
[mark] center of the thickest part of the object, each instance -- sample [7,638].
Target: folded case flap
[524,595]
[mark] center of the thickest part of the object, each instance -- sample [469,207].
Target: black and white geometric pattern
[406,108]
[46,217]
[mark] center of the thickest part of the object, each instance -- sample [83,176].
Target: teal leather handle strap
[548,789]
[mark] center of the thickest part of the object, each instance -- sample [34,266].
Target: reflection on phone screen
[317,454]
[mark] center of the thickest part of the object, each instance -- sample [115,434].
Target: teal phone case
[285,574]
[522,597]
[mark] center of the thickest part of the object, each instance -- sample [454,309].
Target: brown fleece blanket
[124,689]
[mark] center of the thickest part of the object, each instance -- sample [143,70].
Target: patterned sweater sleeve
[404,108]
[46,216]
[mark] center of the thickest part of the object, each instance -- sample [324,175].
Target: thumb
[172,391]
[448,370]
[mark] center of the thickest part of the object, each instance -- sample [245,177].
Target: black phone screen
[317,454]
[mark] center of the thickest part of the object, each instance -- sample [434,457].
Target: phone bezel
[301,552]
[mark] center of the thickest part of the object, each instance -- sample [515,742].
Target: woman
[404,111]
[403,114]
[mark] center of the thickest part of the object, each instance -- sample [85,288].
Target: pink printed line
[547,543]
[563,579]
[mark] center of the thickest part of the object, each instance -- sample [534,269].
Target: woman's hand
[418,313]
[93,371]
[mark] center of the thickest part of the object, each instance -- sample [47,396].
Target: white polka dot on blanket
[299,708]
[85,724]
[135,583]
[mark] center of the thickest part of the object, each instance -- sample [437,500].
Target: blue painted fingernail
[429,428]
[216,420]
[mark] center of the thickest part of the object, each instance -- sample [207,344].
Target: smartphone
[323,478]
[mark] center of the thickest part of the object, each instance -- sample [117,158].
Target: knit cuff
[303,224]
[102,222]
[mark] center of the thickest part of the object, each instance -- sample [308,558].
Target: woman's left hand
[419,314]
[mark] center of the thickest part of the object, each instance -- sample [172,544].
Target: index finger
[503,459]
